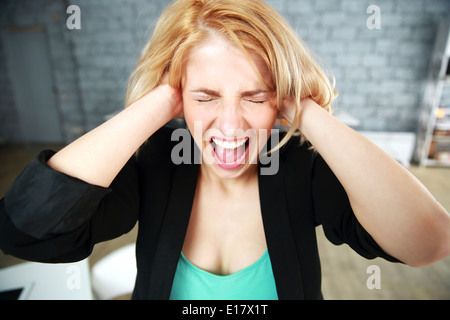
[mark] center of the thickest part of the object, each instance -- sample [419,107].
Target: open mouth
[230,153]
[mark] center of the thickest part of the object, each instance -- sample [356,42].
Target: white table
[41,281]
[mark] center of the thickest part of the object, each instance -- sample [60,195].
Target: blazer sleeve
[333,211]
[48,216]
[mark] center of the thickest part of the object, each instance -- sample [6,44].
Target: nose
[230,119]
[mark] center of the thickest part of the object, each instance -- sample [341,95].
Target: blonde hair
[250,25]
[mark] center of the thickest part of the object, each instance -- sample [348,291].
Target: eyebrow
[214,93]
[206,91]
[253,93]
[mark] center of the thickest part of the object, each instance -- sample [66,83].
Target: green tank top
[256,282]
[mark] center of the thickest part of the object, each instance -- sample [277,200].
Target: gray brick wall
[52,15]
[107,47]
[8,115]
[380,74]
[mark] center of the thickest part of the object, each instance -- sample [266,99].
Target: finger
[280,115]
[165,78]
[180,115]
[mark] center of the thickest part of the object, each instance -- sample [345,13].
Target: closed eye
[205,100]
[255,101]
[256,96]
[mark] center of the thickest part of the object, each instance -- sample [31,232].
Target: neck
[228,185]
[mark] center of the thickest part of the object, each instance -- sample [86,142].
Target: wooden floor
[345,273]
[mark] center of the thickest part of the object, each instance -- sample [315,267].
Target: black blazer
[48,216]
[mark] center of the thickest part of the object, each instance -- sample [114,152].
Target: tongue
[229,155]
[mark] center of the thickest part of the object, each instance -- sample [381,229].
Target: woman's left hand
[288,108]
[389,202]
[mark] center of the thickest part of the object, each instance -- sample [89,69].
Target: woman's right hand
[100,154]
[166,101]
[174,101]
[173,98]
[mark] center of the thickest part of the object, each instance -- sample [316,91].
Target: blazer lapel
[173,230]
[280,239]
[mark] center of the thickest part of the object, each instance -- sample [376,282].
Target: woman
[220,229]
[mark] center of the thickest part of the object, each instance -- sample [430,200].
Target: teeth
[229,144]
